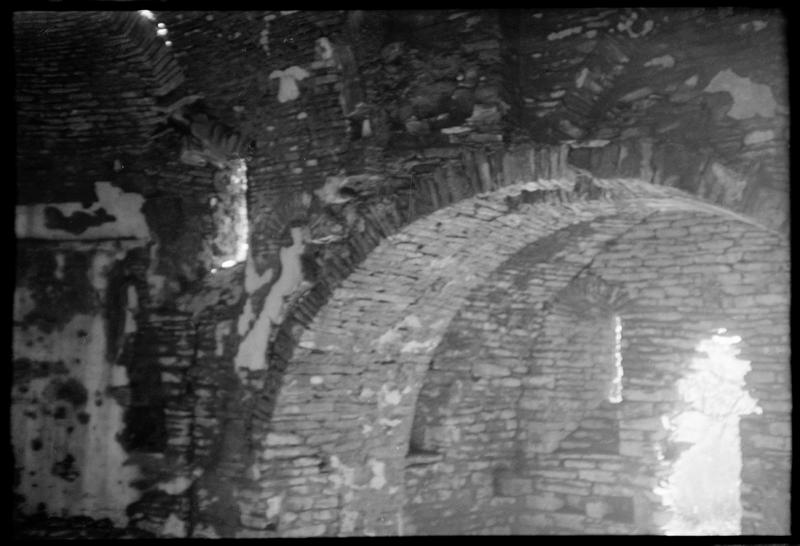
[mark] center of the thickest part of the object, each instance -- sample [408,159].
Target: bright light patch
[168,43]
[239,181]
[615,389]
[147,14]
[161,32]
[703,492]
[231,220]
[161,25]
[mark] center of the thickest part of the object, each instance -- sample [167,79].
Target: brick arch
[357,367]
[490,339]
[476,173]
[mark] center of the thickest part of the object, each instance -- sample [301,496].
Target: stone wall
[579,463]
[342,130]
[686,98]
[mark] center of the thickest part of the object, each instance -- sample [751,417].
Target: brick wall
[578,463]
[366,136]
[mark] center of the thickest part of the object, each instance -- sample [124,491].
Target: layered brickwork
[702,92]
[354,125]
[468,412]
[70,388]
[743,287]
[573,469]
[84,98]
[386,379]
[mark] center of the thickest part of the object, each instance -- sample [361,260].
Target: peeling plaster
[756,26]
[725,185]
[288,89]
[274,506]
[103,489]
[23,303]
[599,143]
[389,397]
[247,317]
[581,79]
[646,170]
[330,192]
[221,330]
[390,423]
[349,518]
[749,98]
[263,39]
[176,486]
[757,137]
[665,61]
[252,280]
[379,474]
[131,307]
[627,24]
[129,221]
[395,334]
[323,50]
[564,33]
[59,272]
[202,531]
[155,282]
[174,527]
[252,352]
[419,346]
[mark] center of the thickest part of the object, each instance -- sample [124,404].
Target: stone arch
[622,509]
[401,317]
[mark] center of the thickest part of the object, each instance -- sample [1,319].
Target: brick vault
[304,273]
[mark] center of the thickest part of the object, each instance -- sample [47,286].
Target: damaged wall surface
[328,273]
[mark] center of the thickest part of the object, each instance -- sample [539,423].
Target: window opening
[703,490]
[615,388]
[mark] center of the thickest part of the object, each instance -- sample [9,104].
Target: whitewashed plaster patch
[129,221]
[626,26]
[665,61]
[564,33]
[749,98]
[253,348]
[757,137]
[419,346]
[221,330]
[263,39]
[390,423]
[176,486]
[104,488]
[131,307]
[323,49]
[274,506]
[23,302]
[174,527]
[59,272]
[389,396]
[581,79]
[288,89]
[379,474]
[722,185]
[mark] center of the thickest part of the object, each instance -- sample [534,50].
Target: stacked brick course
[404,169]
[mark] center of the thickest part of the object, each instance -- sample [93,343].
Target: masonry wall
[348,125]
[579,463]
